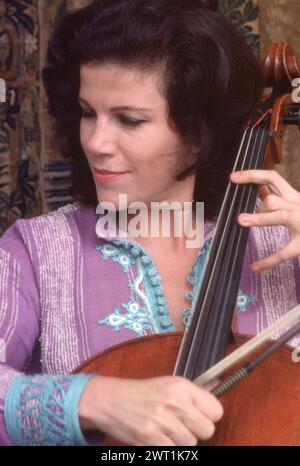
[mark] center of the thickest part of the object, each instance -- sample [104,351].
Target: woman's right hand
[159,411]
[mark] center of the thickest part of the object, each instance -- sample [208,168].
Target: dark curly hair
[212,81]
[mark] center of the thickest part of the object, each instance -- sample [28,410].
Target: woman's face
[124,129]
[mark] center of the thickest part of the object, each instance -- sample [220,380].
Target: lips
[107,176]
[107,172]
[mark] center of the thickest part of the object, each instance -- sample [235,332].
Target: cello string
[221,297]
[182,355]
[189,361]
[188,336]
[239,235]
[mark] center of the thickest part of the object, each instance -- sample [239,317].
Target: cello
[250,406]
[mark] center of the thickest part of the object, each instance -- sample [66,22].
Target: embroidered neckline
[157,318]
[127,252]
[155,313]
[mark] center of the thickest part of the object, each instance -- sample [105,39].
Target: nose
[101,140]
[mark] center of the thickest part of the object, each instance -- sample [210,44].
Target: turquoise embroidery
[117,255]
[136,319]
[243,300]
[153,313]
[155,304]
[159,306]
[43,410]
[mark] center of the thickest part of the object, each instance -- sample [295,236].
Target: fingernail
[245,220]
[236,175]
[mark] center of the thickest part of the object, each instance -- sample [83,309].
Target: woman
[149,98]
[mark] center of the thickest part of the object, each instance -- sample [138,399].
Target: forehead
[121,82]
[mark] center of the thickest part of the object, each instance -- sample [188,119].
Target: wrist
[86,406]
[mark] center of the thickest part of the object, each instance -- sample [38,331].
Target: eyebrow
[120,108]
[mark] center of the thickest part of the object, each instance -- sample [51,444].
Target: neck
[178,227]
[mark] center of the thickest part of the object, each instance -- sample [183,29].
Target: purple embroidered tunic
[66,294]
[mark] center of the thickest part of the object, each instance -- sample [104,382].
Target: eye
[87,113]
[132,122]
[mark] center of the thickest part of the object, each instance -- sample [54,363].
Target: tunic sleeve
[34,409]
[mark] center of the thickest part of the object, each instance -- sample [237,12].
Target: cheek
[155,164]
[161,151]
[156,171]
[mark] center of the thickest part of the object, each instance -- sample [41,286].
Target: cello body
[261,410]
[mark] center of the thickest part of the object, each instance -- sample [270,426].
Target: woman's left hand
[280,206]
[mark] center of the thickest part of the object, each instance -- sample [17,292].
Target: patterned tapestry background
[33,178]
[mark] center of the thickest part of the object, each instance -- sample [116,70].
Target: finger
[272,202]
[290,251]
[267,177]
[184,432]
[169,426]
[278,217]
[208,404]
[187,424]
[201,398]
[201,427]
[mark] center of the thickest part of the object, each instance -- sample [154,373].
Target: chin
[121,201]
[113,198]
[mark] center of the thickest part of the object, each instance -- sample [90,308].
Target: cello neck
[209,328]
